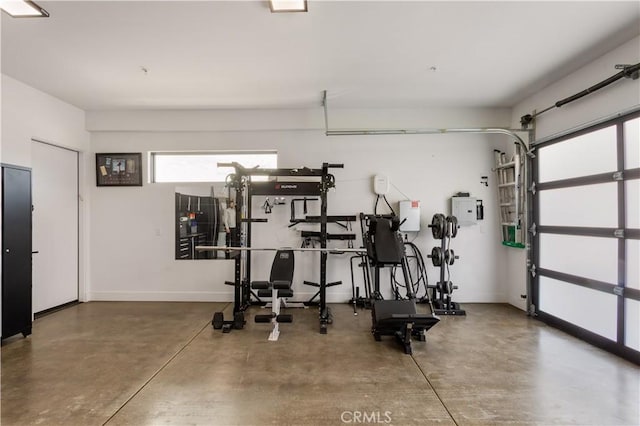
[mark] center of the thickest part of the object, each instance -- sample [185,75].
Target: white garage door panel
[632,144]
[632,324]
[584,155]
[590,205]
[589,257]
[633,264]
[590,309]
[55,226]
[632,194]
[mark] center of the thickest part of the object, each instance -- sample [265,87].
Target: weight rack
[444,229]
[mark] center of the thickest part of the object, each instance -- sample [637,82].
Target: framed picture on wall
[119,169]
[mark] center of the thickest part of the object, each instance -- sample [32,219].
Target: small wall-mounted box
[381,184]
[410,213]
[464,209]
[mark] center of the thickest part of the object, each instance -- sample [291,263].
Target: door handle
[34,252]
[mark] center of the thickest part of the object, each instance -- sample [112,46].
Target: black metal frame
[244,191]
[621,233]
[136,179]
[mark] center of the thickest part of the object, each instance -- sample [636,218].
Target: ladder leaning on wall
[509,173]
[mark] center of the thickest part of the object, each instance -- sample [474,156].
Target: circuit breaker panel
[464,209]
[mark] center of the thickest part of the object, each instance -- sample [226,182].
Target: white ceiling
[236,54]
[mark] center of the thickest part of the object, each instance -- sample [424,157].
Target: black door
[16,251]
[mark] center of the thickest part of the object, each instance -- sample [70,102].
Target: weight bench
[278,288]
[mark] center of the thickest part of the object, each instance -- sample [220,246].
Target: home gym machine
[398,317]
[444,229]
[317,185]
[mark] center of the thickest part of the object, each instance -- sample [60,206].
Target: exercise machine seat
[282,267]
[399,318]
[281,276]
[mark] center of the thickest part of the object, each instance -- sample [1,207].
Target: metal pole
[428,131]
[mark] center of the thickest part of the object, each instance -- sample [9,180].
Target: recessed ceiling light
[288,5]
[23,9]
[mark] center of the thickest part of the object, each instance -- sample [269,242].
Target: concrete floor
[162,364]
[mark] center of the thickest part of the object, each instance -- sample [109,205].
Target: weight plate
[238,321]
[436,256]
[437,226]
[449,256]
[218,320]
[449,288]
[452,226]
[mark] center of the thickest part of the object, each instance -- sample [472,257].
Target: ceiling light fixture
[23,9]
[288,5]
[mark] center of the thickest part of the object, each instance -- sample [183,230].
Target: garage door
[586,244]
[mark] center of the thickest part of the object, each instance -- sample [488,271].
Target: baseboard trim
[159,296]
[193,296]
[219,296]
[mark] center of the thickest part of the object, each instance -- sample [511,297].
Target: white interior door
[55,226]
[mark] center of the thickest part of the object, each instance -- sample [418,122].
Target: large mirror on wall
[203,214]
[201,208]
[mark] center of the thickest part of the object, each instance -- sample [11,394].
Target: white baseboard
[217,296]
[160,296]
[479,297]
[194,296]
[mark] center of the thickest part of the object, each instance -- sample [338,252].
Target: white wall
[617,97]
[0,174]
[29,114]
[132,245]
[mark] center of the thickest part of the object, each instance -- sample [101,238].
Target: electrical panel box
[381,184]
[464,209]
[410,213]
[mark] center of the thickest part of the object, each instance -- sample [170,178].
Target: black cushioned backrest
[388,247]
[282,267]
